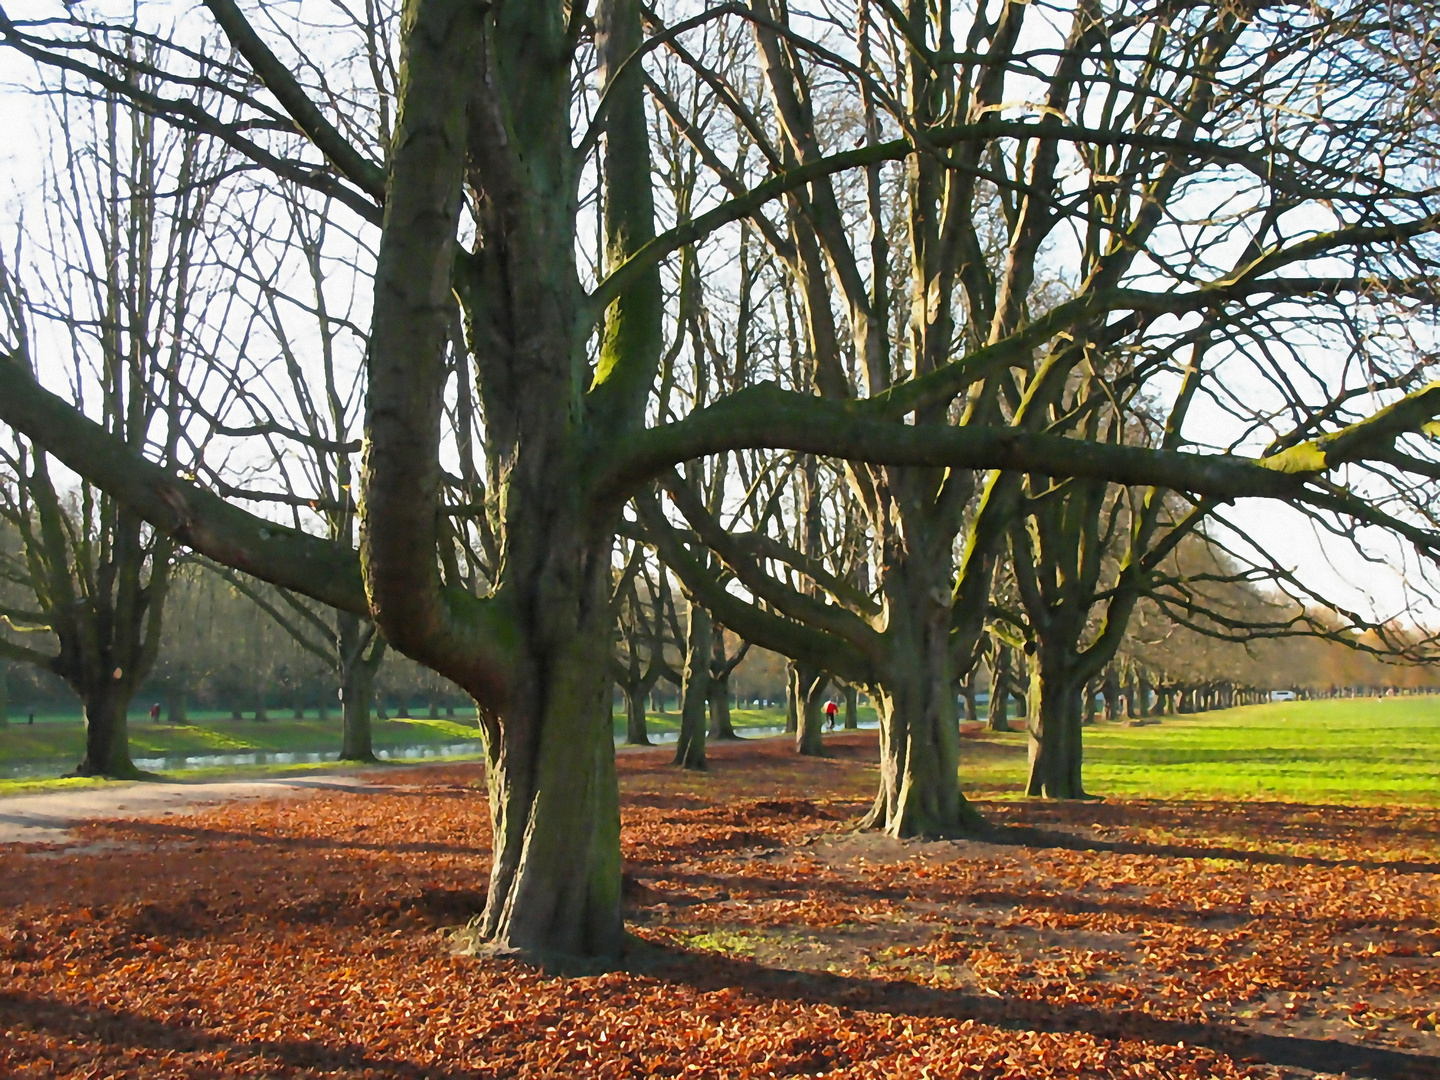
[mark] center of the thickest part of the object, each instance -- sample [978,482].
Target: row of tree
[897,334]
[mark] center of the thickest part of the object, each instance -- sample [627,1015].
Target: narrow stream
[39,770]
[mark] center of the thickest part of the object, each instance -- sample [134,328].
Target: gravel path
[46,818]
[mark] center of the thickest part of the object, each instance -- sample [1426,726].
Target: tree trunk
[720,726]
[919,792]
[720,671]
[852,708]
[999,691]
[1087,704]
[261,716]
[554,803]
[967,695]
[792,698]
[4,694]
[1110,688]
[636,733]
[695,691]
[810,699]
[1055,730]
[356,692]
[919,763]
[107,736]
[1144,693]
[176,711]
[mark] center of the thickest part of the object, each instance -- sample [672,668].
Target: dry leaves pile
[1122,939]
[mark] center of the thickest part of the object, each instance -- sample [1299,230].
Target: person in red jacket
[830,710]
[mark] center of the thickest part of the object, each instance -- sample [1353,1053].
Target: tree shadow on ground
[123,1032]
[157,832]
[1035,837]
[707,972]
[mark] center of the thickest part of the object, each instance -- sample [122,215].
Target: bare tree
[1108,129]
[115,279]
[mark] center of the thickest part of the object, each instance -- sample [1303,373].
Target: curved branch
[358,169]
[764,628]
[767,417]
[199,519]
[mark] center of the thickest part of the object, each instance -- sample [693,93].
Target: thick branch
[768,417]
[359,170]
[320,569]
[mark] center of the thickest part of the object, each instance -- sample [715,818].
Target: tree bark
[810,698]
[695,691]
[721,667]
[792,698]
[107,737]
[721,729]
[636,731]
[1110,689]
[852,708]
[1055,729]
[356,694]
[996,709]
[176,711]
[967,695]
[554,799]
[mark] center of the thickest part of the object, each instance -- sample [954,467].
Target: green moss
[729,942]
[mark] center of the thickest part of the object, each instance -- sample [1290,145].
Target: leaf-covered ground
[1144,939]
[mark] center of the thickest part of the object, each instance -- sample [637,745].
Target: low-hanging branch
[768,417]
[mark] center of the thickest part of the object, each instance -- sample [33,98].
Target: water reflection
[39,770]
[36,770]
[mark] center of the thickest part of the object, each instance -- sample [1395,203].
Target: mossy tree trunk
[919,791]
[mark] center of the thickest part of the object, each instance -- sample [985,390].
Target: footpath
[47,818]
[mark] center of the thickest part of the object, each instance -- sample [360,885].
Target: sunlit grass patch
[1356,750]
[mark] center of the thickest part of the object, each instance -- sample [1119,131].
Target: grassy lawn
[1360,750]
[58,741]
[64,742]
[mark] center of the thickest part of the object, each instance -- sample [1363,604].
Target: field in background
[1356,750]
[1360,750]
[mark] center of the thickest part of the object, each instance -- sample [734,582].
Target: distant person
[155,713]
[830,710]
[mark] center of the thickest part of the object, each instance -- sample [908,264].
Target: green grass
[1358,750]
[57,742]
[58,783]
